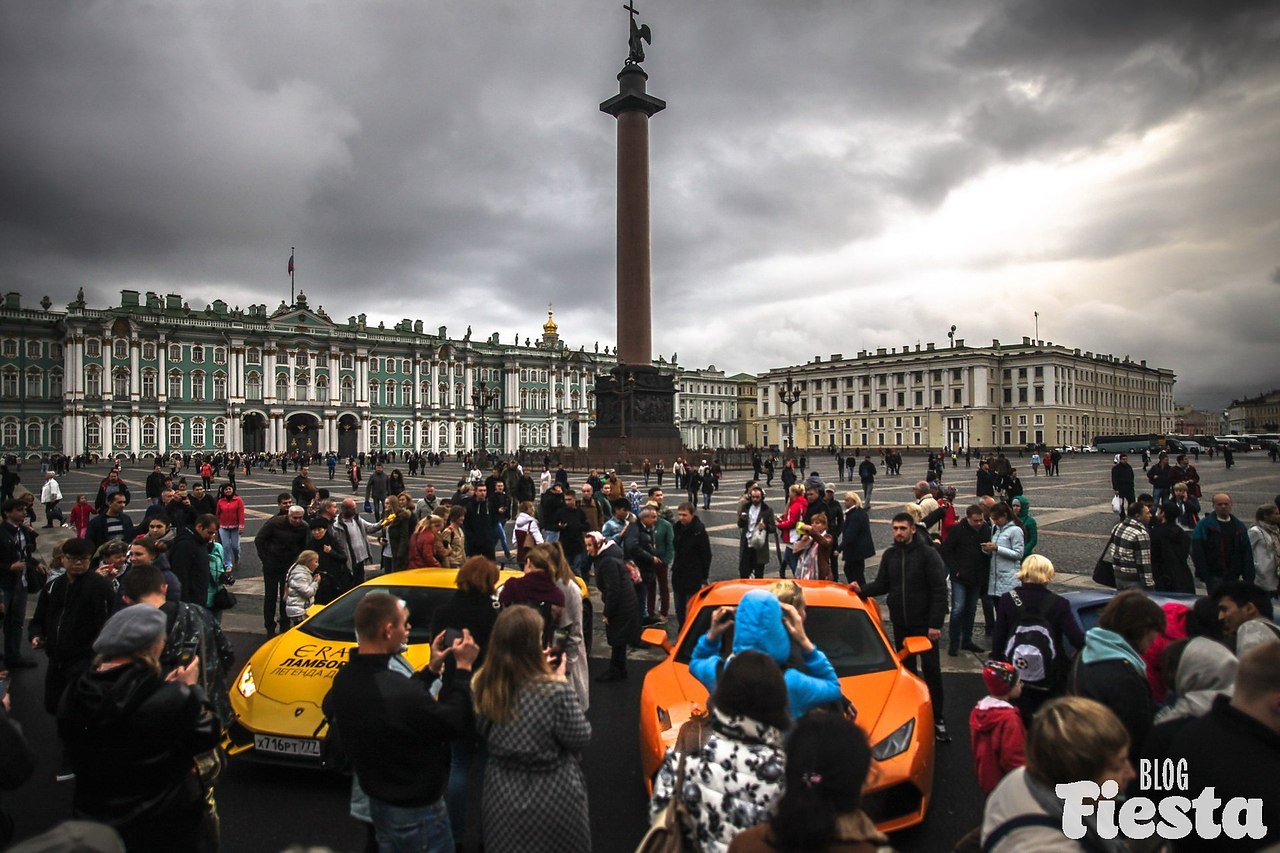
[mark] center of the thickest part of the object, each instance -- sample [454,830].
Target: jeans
[929,661]
[15,612]
[411,829]
[964,606]
[706,500]
[581,564]
[867,488]
[551,537]
[501,528]
[230,537]
[659,593]
[789,559]
[467,762]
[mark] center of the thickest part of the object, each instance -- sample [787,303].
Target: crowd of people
[128,615]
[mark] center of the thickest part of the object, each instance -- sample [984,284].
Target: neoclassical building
[1002,395]
[153,376]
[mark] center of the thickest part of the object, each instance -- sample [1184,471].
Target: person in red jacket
[80,515]
[995,726]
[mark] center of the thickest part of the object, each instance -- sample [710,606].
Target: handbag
[669,831]
[759,538]
[634,571]
[368,506]
[224,599]
[1103,572]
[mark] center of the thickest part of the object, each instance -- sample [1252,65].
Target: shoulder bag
[669,832]
[1103,572]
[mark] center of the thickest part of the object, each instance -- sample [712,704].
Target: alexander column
[635,404]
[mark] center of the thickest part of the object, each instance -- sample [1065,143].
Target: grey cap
[136,627]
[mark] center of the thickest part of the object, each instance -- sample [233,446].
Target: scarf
[1272,533]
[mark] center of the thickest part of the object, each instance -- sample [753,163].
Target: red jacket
[794,513]
[231,512]
[999,738]
[422,549]
[80,514]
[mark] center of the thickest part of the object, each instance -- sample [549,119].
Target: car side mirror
[914,646]
[656,637]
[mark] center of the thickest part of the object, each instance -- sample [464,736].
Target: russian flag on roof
[291,265]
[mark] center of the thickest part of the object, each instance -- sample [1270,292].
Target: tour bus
[1125,443]
[1268,440]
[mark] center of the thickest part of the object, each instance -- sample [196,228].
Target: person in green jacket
[664,537]
[1029,532]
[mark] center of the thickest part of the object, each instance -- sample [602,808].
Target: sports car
[892,704]
[278,693]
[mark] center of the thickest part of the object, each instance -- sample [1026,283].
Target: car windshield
[337,621]
[845,634]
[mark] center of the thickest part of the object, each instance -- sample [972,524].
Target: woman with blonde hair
[527,532]
[569,629]
[422,544]
[1031,623]
[535,796]
[787,525]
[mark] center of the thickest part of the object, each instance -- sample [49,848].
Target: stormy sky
[828,176]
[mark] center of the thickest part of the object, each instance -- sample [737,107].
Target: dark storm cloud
[447,161]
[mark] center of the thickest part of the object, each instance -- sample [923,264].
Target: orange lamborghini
[892,704]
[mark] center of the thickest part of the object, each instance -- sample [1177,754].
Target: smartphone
[451,634]
[559,642]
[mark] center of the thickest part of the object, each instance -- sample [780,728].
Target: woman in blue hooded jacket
[764,624]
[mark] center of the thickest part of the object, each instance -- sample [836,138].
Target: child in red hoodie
[995,726]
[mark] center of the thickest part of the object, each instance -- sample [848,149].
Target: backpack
[1034,646]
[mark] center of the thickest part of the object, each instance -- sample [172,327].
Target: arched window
[55,435]
[35,435]
[35,383]
[348,391]
[175,352]
[55,383]
[406,429]
[253,386]
[459,399]
[197,433]
[93,433]
[197,354]
[198,386]
[92,381]
[148,351]
[406,394]
[220,386]
[373,364]
[373,392]
[219,355]
[120,434]
[253,355]
[304,358]
[120,383]
[322,389]
[302,388]
[220,433]
[175,385]
[9,383]
[149,433]
[391,433]
[524,398]
[120,350]
[282,386]
[348,362]
[148,384]
[10,350]
[175,434]
[443,402]
[10,435]
[92,348]
[424,392]
[391,392]
[374,433]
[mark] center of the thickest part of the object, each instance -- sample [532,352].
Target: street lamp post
[484,399]
[626,390]
[789,395]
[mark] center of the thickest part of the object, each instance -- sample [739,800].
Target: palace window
[149,352]
[120,434]
[55,434]
[92,349]
[253,355]
[93,432]
[253,386]
[120,350]
[373,365]
[175,352]
[282,386]
[148,384]
[322,388]
[34,436]
[10,434]
[175,385]
[197,433]
[33,349]
[120,383]
[197,354]
[220,386]
[10,350]
[304,358]
[149,433]
[175,433]
[374,385]
[348,362]
[348,391]
[220,433]
[55,384]
[197,386]
[391,393]
[93,381]
[219,355]
[302,388]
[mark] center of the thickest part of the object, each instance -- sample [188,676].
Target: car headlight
[896,743]
[246,685]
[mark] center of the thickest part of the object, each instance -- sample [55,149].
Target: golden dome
[549,327]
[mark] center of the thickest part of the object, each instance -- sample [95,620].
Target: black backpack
[1034,646]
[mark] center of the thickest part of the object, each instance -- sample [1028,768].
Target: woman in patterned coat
[535,796]
[734,781]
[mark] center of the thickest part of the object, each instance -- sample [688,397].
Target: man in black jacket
[911,572]
[1235,749]
[189,558]
[967,564]
[479,525]
[155,484]
[70,612]
[114,523]
[637,546]
[691,565]
[393,732]
[279,542]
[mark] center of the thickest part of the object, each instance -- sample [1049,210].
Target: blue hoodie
[758,627]
[1101,644]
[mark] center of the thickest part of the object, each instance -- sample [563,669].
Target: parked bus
[1125,443]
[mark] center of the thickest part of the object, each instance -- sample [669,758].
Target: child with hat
[995,726]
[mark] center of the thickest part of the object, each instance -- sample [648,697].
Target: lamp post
[626,390]
[789,395]
[485,398]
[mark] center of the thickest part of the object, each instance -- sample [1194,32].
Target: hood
[1206,665]
[99,699]
[989,712]
[757,626]
[1103,645]
[1025,511]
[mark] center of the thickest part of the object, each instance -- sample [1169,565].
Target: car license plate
[287,745]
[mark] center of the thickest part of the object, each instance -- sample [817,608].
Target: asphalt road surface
[268,808]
